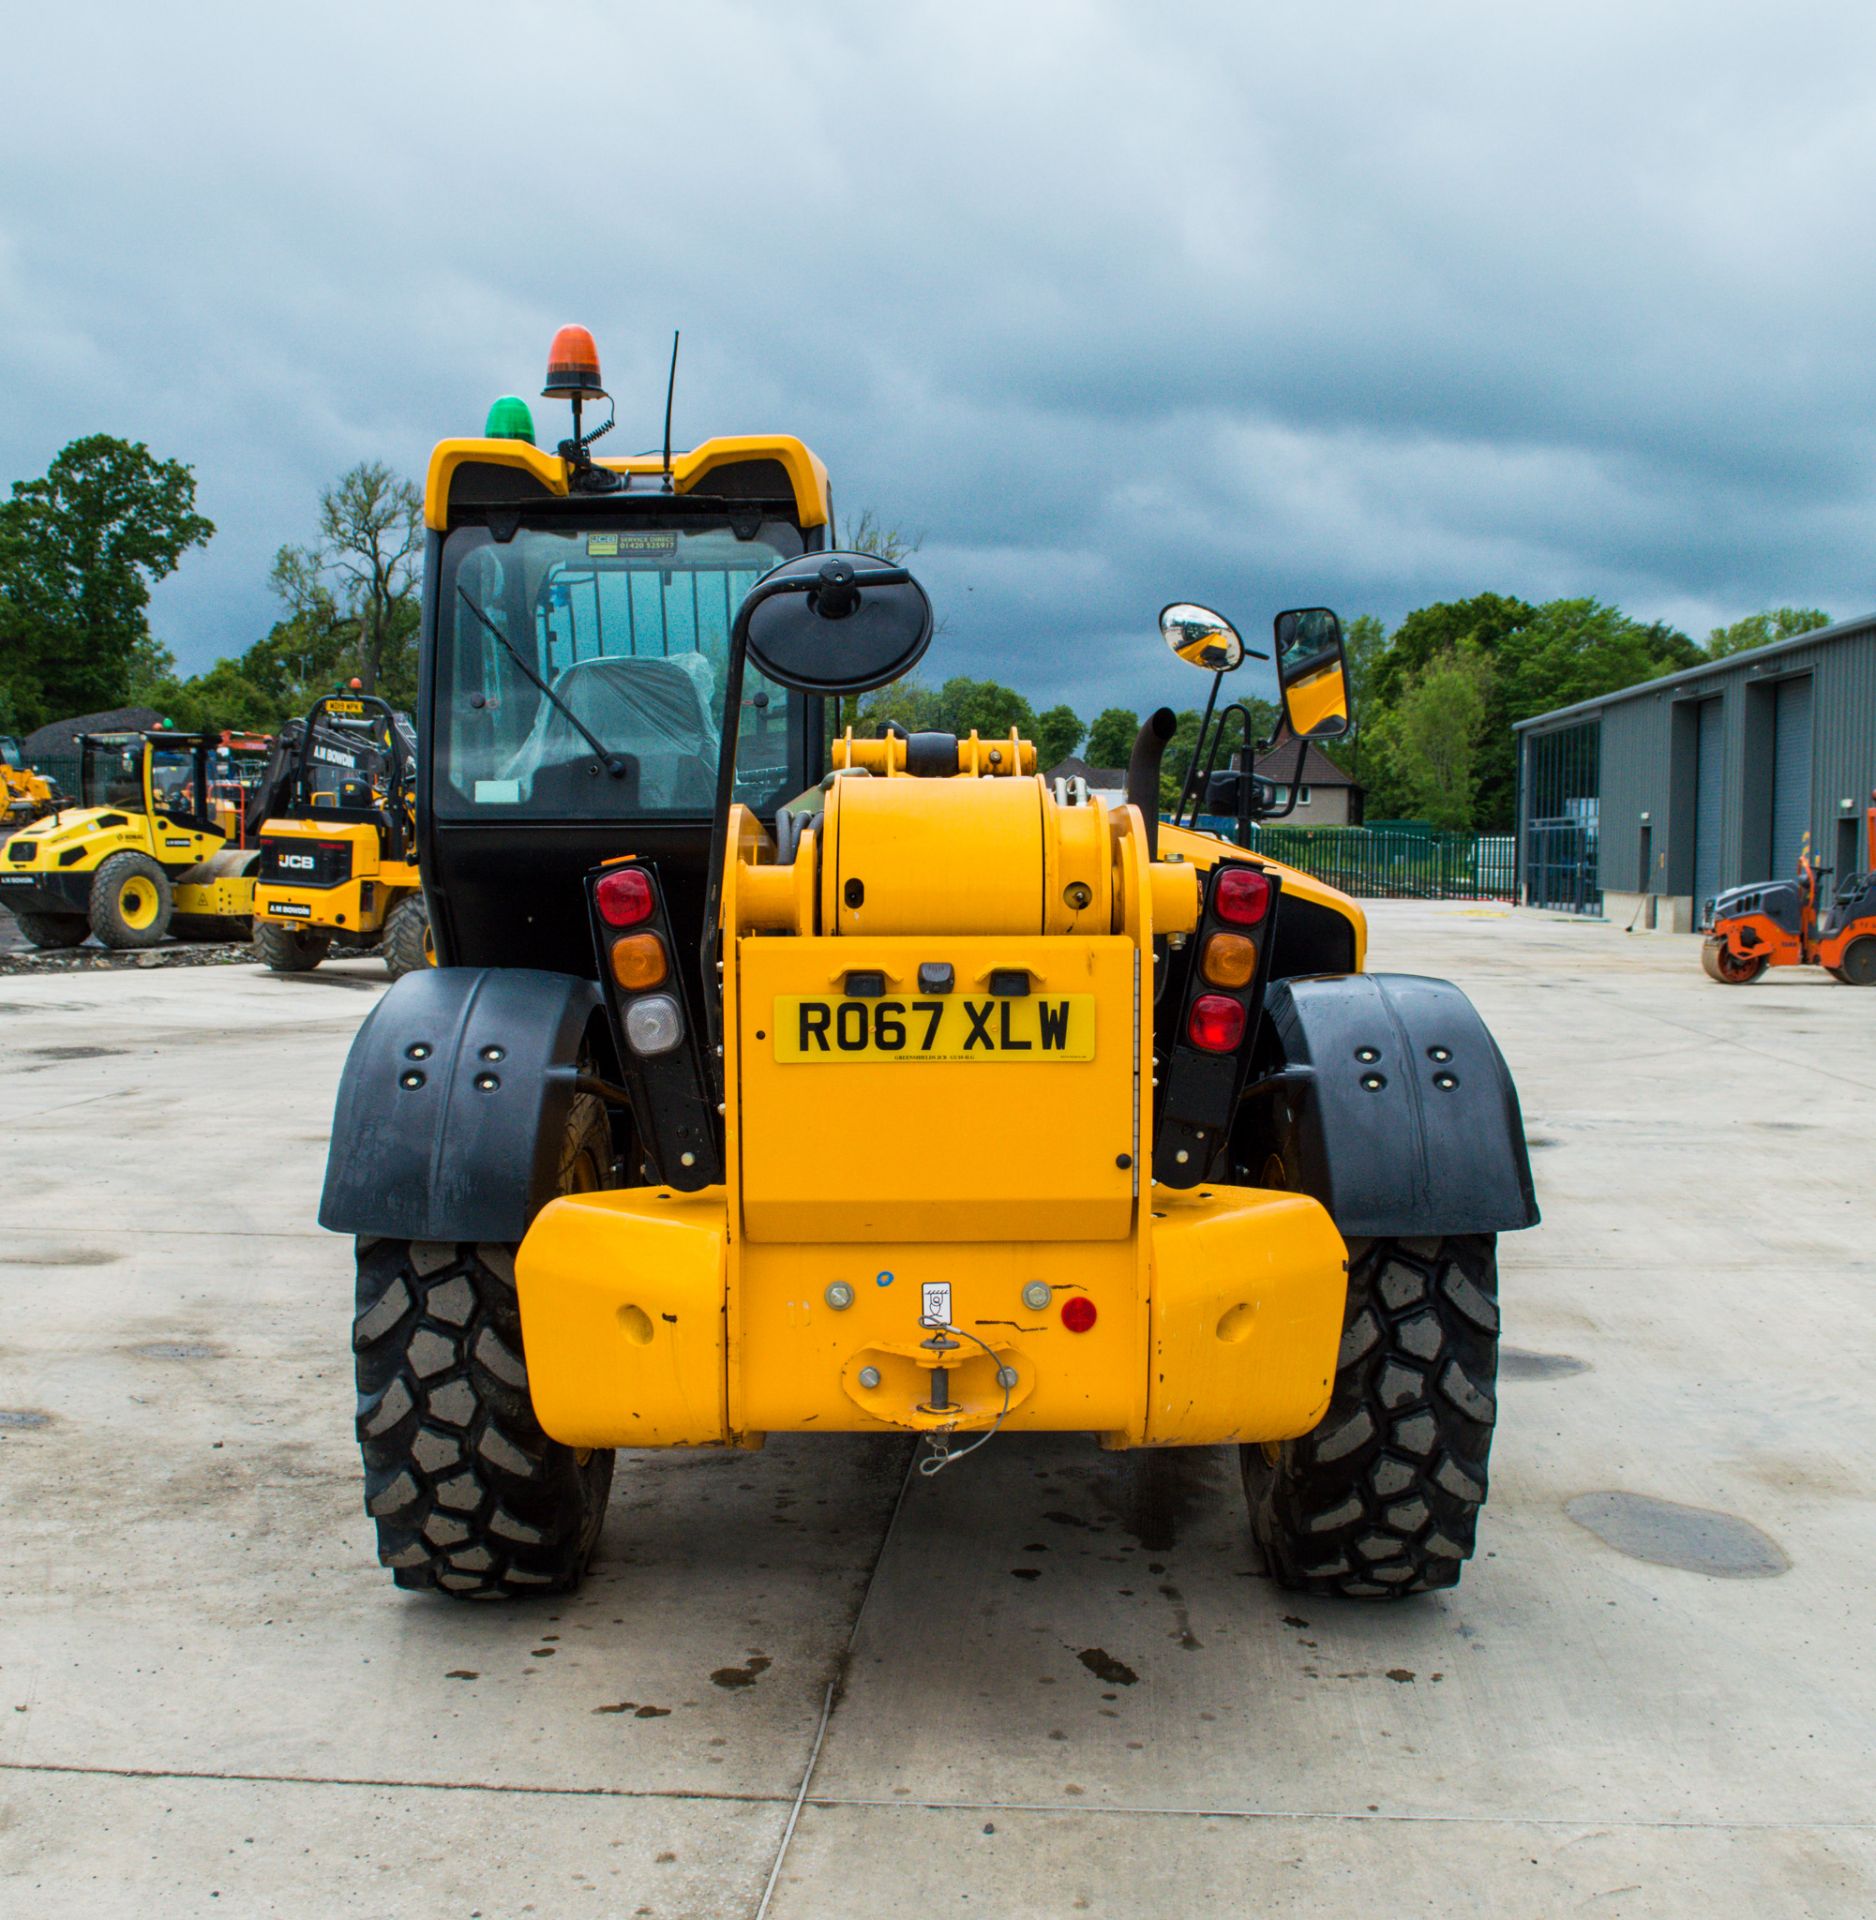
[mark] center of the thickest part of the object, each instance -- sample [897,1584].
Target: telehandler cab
[773,1084]
[149,853]
[1775,924]
[338,863]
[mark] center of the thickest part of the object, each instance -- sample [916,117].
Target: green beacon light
[510,419]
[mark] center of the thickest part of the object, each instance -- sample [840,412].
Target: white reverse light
[653,1024]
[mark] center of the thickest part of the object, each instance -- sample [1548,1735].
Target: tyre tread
[1381,1499]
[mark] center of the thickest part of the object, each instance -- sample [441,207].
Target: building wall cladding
[1649,761]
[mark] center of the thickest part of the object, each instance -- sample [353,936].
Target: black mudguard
[1396,1108]
[453,1108]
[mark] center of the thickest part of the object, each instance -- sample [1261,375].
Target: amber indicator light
[638,961]
[1229,960]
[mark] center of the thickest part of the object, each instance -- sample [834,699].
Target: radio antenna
[669,390]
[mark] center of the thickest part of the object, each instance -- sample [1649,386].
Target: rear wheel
[52,929]
[1858,967]
[130,901]
[469,1495]
[289,949]
[1383,1498]
[406,945]
[1721,963]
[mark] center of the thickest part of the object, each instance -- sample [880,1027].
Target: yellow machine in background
[25,795]
[338,863]
[151,853]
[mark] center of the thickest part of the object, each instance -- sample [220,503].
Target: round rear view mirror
[1201,637]
[835,623]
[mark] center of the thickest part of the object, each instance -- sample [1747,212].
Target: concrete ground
[1069,1690]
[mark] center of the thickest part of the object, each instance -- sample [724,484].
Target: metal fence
[1390,863]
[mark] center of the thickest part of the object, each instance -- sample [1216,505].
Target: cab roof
[479,474]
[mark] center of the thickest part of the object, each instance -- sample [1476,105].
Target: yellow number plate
[1034,1027]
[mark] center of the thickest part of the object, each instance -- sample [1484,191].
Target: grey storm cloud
[1368,305]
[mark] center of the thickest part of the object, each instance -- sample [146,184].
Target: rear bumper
[643,1331]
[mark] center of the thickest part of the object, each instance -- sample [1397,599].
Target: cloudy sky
[1363,304]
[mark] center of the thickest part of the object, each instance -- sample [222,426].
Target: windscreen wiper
[613,764]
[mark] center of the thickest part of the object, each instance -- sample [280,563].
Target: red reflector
[1215,1023]
[1078,1313]
[1242,896]
[624,897]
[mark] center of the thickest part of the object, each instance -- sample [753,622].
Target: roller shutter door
[1791,772]
[1709,801]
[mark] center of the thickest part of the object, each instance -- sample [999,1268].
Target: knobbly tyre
[154,850]
[338,849]
[773,1085]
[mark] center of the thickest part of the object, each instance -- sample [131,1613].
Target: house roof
[1101,779]
[61,736]
[1279,764]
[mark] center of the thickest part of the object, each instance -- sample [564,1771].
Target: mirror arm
[1296,782]
[1198,748]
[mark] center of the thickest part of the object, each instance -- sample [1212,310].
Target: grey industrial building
[1643,804]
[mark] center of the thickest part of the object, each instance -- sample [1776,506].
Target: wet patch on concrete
[1160,1490]
[177,1350]
[76,1053]
[60,1257]
[1537,1141]
[23,1419]
[746,1675]
[1522,1363]
[1103,1665]
[1667,1534]
[636,1711]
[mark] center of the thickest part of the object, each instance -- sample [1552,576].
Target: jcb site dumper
[772,1083]
[338,849]
[154,851]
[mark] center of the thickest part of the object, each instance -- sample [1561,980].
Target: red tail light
[1078,1313]
[1242,896]
[624,897]
[1215,1023]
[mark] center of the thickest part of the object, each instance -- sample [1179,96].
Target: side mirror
[834,623]
[1312,673]
[1200,637]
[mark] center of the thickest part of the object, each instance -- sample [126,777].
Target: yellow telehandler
[778,1083]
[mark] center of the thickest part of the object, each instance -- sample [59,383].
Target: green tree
[1761,629]
[1059,732]
[80,549]
[1364,641]
[1434,732]
[364,568]
[869,534]
[1541,658]
[986,705]
[1110,739]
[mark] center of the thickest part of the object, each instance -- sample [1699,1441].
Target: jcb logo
[303,861]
